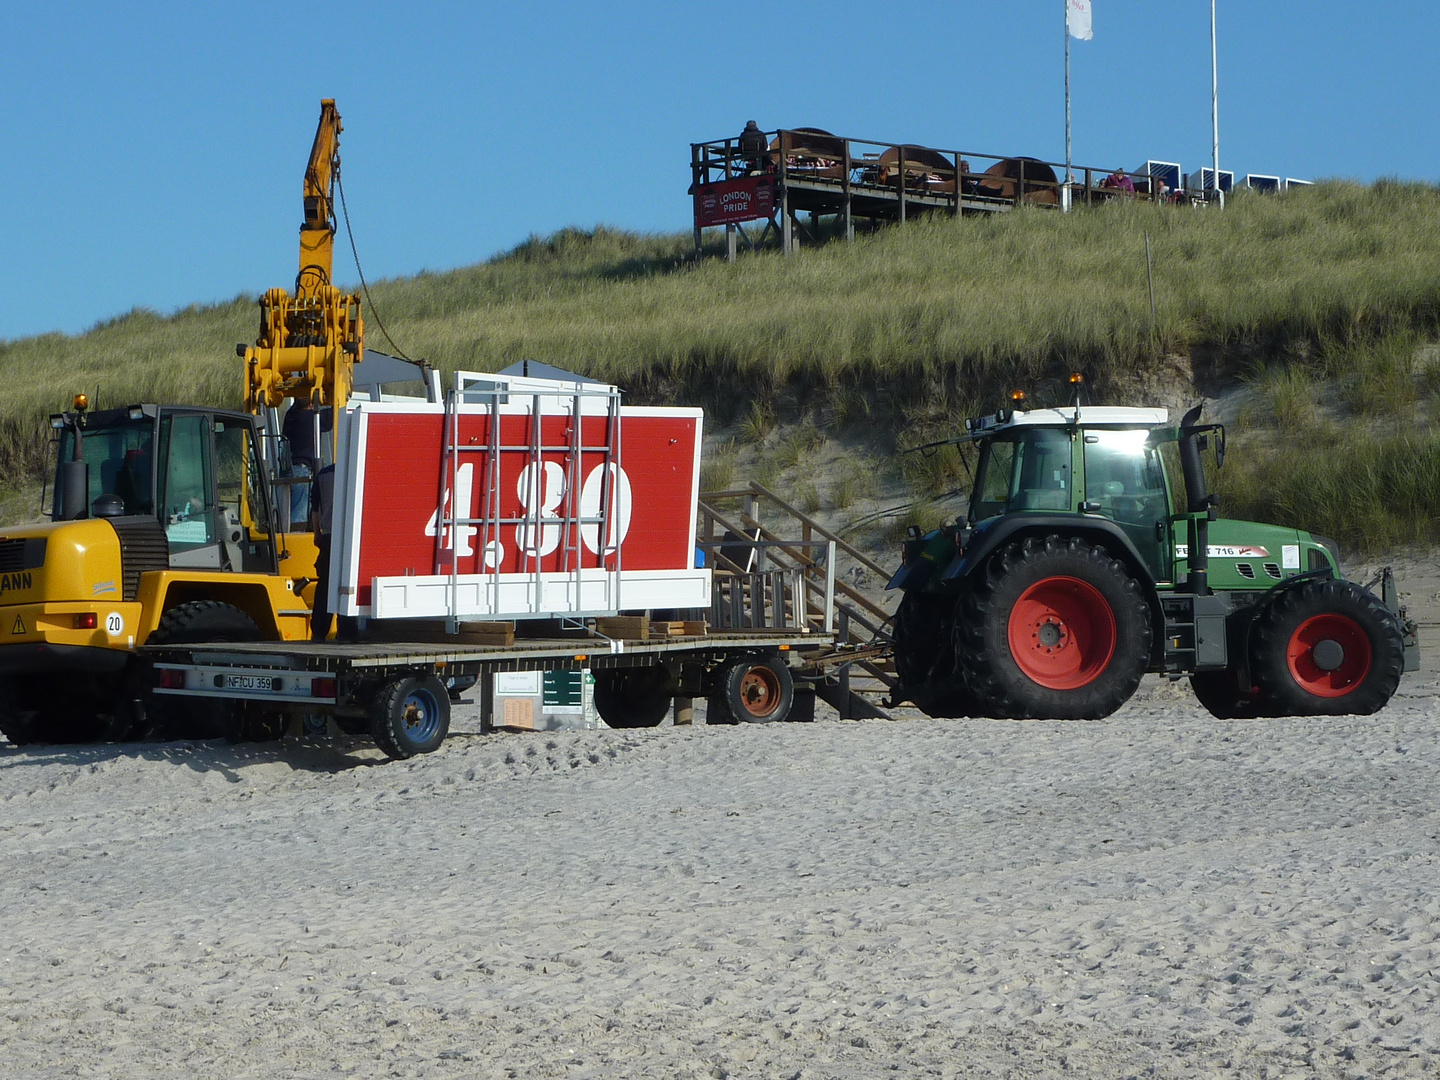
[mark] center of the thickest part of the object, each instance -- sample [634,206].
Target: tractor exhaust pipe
[1197,500]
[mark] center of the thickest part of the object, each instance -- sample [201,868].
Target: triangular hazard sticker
[19,625]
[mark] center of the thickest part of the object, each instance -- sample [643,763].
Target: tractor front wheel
[1327,648]
[1053,628]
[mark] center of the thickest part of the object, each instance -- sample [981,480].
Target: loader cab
[195,471]
[1098,461]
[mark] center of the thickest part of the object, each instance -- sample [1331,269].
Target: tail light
[171,679]
[87,621]
[323,687]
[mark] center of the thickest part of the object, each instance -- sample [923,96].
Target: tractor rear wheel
[1327,648]
[1055,629]
[632,697]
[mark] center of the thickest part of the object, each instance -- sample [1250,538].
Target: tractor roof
[1084,416]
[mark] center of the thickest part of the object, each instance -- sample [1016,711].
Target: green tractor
[1080,565]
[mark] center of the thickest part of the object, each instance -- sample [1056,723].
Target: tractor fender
[1013,527]
[989,538]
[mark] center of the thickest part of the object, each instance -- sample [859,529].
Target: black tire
[59,710]
[1327,648]
[633,697]
[751,690]
[411,716]
[1054,629]
[925,656]
[195,718]
[1222,696]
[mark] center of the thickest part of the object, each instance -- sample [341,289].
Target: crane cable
[374,311]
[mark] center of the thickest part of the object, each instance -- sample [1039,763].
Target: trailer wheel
[1222,696]
[195,718]
[925,656]
[1328,648]
[751,690]
[411,716]
[1055,629]
[632,697]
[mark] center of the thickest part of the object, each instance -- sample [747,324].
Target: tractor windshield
[120,461]
[1023,469]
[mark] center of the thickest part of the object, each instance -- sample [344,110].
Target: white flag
[1077,19]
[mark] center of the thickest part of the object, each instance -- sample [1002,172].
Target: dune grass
[901,331]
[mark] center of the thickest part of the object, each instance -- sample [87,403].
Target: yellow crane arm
[309,344]
[317,231]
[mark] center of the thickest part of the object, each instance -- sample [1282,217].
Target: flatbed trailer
[400,692]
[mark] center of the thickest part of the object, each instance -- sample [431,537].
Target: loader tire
[64,711]
[1327,648]
[632,697]
[1053,628]
[195,718]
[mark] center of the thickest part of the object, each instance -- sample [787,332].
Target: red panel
[750,198]
[404,455]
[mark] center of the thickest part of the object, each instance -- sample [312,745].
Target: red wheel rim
[1062,633]
[760,691]
[1354,666]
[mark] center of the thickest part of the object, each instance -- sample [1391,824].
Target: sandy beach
[1159,894]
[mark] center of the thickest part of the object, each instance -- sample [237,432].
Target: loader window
[186,495]
[120,463]
[1023,469]
[237,477]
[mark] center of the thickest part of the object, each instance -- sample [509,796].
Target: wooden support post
[787,229]
[729,242]
[487,700]
[695,179]
[684,711]
[959,180]
[900,180]
[845,187]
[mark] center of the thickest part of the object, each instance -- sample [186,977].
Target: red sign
[750,198]
[555,511]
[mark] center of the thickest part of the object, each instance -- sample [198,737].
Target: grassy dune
[1321,300]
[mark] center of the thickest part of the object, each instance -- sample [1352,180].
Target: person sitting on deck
[1118,181]
[753,148]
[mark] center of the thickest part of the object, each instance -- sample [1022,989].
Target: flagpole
[1069,173]
[1215,107]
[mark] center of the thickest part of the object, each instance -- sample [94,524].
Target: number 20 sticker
[114,624]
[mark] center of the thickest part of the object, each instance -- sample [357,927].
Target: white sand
[1160,894]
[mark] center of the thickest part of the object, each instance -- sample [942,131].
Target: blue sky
[153,152]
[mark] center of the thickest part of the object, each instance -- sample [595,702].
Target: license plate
[267,683]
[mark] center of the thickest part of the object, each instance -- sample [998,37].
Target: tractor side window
[1024,470]
[1125,478]
[186,481]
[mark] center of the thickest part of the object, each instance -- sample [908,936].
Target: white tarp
[1077,19]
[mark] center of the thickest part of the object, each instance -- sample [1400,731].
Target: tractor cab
[196,472]
[1100,461]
